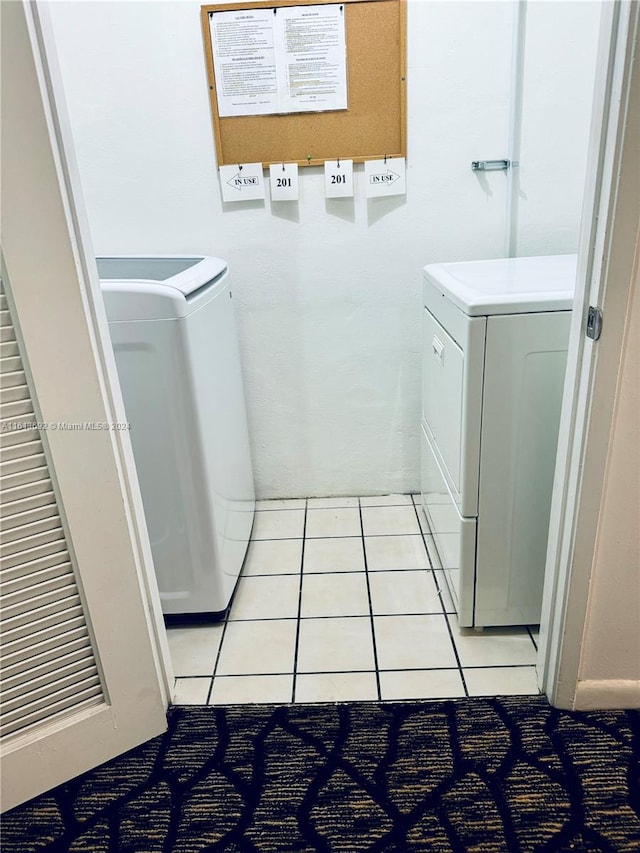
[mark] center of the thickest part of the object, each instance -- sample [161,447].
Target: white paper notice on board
[244,182]
[311,55]
[282,60]
[386,177]
[283,178]
[244,62]
[338,178]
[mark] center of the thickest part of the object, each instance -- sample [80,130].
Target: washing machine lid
[507,285]
[155,287]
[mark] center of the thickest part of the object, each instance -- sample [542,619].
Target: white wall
[559,68]
[329,292]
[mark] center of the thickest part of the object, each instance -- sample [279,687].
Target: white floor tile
[273,557]
[333,555]
[256,648]
[330,645]
[404,592]
[413,642]
[281,503]
[445,595]
[421,684]
[395,552]
[342,594]
[386,500]
[333,522]
[194,649]
[266,597]
[244,689]
[323,503]
[389,520]
[336,687]
[502,681]
[278,524]
[191,691]
[493,646]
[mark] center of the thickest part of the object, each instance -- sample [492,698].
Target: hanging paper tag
[244,182]
[338,178]
[386,177]
[283,178]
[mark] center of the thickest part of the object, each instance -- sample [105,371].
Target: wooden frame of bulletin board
[374,124]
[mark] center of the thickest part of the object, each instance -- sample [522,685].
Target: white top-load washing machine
[173,331]
[495,345]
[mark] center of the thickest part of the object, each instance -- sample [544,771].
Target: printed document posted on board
[284,60]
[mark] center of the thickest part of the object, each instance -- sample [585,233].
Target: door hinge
[594,323]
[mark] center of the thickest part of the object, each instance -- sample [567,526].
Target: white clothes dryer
[495,346]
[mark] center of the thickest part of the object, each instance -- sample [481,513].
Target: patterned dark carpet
[466,775]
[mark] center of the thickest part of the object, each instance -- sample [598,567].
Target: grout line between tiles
[227,620]
[182,677]
[420,669]
[305,672]
[279,508]
[335,616]
[422,533]
[241,621]
[501,666]
[224,631]
[339,572]
[358,671]
[354,536]
[455,651]
[297,642]
[301,618]
[373,628]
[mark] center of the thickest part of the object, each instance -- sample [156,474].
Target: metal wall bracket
[492,165]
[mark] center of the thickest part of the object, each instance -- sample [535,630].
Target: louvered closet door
[48,663]
[84,650]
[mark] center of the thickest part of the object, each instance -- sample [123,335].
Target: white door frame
[611,219]
[53,293]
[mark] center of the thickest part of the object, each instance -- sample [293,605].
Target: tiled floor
[337,601]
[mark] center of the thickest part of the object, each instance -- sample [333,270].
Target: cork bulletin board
[374,124]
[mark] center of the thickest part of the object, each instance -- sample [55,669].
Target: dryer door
[452,367]
[442,394]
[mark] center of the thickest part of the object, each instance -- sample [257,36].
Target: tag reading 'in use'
[386,177]
[243,182]
[283,178]
[338,178]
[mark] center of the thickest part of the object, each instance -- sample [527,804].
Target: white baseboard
[605,694]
